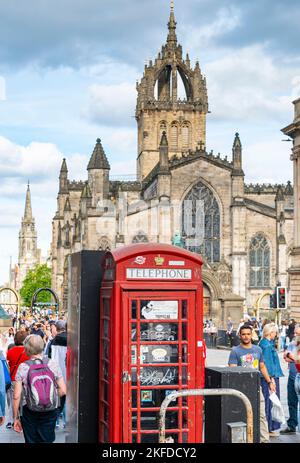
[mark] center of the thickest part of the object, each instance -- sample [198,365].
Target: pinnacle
[64,166]
[237,141]
[98,159]
[172,38]
[164,140]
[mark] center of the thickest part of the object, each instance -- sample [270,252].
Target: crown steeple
[172,97]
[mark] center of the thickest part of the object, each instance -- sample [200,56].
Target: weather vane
[172,5]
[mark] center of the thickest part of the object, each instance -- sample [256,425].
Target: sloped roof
[98,159]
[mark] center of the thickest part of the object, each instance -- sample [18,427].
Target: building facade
[182,195]
[293,131]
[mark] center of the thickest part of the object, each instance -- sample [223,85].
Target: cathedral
[182,195]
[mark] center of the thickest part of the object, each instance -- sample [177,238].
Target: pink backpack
[41,392]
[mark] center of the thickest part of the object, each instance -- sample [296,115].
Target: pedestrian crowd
[33,357]
[258,349]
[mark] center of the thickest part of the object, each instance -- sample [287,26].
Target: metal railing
[205,392]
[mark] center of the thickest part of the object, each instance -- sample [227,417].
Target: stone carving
[104,244]
[223,274]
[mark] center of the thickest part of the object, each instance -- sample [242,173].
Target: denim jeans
[297,390]
[292,403]
[272,425]
[38,427]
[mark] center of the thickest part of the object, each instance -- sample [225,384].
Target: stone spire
[237,153]
[98,159]
[63,177]
[29,255]
[172,38]
[279,194]
[28,209]
[163,154]
[64,166]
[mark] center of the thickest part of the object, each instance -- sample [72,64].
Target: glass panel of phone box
[159,351]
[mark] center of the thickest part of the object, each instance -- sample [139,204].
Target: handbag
[277,413]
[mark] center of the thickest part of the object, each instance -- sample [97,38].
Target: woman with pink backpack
[41,381]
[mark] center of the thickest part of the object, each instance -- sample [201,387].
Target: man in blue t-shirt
[250,356]
[289,356]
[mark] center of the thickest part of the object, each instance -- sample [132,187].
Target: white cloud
[111,104]
[36,159]
[272,162]
[227,19]
[250,85]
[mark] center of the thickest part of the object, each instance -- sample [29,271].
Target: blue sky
[68,71]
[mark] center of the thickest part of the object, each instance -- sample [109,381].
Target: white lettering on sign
[176,262]
[159,273]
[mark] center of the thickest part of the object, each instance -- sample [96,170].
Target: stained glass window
[259,258]
[201,222]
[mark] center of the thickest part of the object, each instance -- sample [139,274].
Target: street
[215,357]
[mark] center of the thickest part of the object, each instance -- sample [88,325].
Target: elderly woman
[275,372]
[15,356]
[38,426]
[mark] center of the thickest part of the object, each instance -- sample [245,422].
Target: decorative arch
[17,303]
[141,237]
[259,262]
[49,290]
[104,244]
[162,78]
[200,222]
[212,283]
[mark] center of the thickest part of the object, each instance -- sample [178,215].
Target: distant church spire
[28,209]
[29,255]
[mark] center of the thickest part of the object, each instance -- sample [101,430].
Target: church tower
[29,255]
[160,109]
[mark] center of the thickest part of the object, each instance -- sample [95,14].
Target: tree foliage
[38,277]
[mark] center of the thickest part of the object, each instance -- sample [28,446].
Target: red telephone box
[151,343]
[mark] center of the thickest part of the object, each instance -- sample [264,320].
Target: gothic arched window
[185,135]
[140,238]
[201,222]
[174,136]
[259,256]
[67,234]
